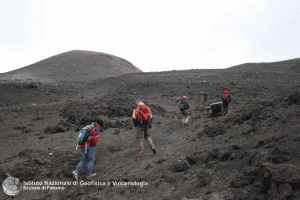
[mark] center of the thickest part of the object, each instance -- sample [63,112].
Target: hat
[184,97]
[226,92]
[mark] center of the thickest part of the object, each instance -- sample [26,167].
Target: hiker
[88,151]
[226,100]
[184,106]
[142,119]
[205,98]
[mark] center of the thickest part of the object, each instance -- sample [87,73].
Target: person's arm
[134,121]
[95,140]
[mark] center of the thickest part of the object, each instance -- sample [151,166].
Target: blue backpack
[84,135]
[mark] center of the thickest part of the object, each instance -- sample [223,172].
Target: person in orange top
[142,129]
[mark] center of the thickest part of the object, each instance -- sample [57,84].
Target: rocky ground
[250,153]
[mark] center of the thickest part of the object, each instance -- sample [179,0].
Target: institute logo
[11,185]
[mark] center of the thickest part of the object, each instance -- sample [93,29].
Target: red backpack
[143,114]
[225,97]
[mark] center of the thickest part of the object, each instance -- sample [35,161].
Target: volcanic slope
[250,153]
[73,66]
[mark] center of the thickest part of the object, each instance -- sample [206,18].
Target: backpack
[143,115]
[225,97]
[182,106]
[84,135]
[216,108]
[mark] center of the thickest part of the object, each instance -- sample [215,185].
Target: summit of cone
[73,66]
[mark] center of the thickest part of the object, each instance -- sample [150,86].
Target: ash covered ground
[250,153]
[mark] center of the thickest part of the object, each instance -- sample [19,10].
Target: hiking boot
[75,175]
[153,149]
[142,155]
[91,176]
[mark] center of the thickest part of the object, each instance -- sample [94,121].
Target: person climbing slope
[88,151]
[184,106]
[226,100]
[142,119]
[205,98]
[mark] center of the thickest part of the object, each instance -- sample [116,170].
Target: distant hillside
[285,66]
[73,66]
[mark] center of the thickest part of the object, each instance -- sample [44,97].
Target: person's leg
[186,120]
[149,140]
[140,137]
[183,117]
[91,159]
[83,161]
[225,106]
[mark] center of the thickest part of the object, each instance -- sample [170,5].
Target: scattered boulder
[294,99]
[281,180]
[203,179]
[245,177]
[270,145]
[211,155]
[297,138]
[235,147]
[280,154]
[155,109]
[42,137]
[190,160]
[227,155]
[181,165]
[26,152]
[214,131]
[22,128]
[62,126]
[112,149]
[169,178]
[262,143]
[38,118]
[39,161]
[161,160]
[31,85]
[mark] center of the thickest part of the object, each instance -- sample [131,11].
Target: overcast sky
[156,35]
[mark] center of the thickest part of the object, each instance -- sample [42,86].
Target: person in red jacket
[89,156]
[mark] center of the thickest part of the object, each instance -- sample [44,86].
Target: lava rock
[211,155]
[280,154]
[39,161]
[112,149]
[26,152]
[297,138]
[161,160]
[262,143]
[235,147]
[281,180]
[181,165]
[203,179]
[227,155]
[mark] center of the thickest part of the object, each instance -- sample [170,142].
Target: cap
[184,97]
